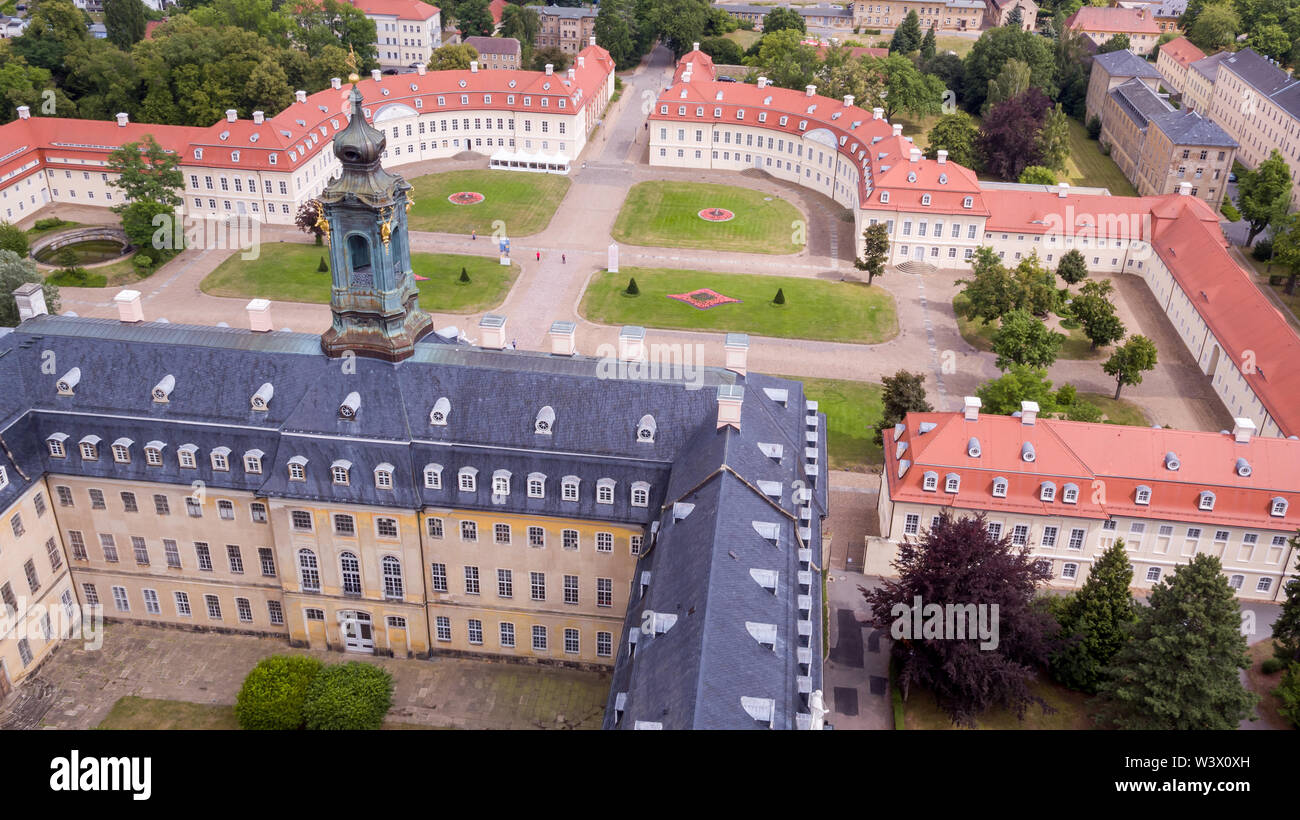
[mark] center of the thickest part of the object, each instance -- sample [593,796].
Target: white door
[358,633]
[919,253]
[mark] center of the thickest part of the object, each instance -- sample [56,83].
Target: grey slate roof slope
[1209,66]
[1139,102]
[14,456]
[1185,127]
[698,569]
[1125,64]
[574,12]
[1261,74]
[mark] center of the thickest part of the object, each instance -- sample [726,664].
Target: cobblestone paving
[77,687]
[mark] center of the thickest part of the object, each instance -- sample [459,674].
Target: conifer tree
[1095,622]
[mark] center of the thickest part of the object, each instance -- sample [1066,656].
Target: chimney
[336,83]
[123,119]
[582,61]
[30,297]
[259,117]
[737,347]
[631,343]
[420,68]
[848,100]
[591,41]
[563,338]
[550,69]
[810,90]
[128,306]
[1242,430]
[231,115]
[695,46]
[259,315]
[1028,412]
[730,398]
[1062,188]
[971,408]
[300,96]
[914,155]
[492,330]
[473,66]
[24,113]
[1185,188]
[898,129]
[942,155]
[573,74]
[877,113]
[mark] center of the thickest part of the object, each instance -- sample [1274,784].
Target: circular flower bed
[465,198]
[716,215]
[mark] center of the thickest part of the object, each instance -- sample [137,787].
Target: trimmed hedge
[273,694]
[351,695]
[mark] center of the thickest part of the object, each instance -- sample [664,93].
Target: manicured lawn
[947,42]
[64,225]
[923,712]
[813,309]
[666,214]
[1087,166]
[524,202]
[852,410]
[917,129]
[132,712]
[287,271]
[977,334]
[121,272]
[1117,412]
[743,38]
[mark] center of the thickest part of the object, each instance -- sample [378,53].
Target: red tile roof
[1182,51]
[1106,462]
[402,9]
[497,7]
[1113,19]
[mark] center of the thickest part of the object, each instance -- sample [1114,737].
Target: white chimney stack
[877,113]
[971,408]
[573,74]
[550,68]
[24,113]
[473,66]
[420,68]
[492,331]
[1242,430]
[336,83]
[376,74]
[810,89]
[695,46]
[914,155]
[30,297]
[300,96]
[259,315]
[231,115]
[122,119]
[898,129]
[128,306]
[631,343]
[1062,188]
[582,61]
[563,338]
[942,155]
[737,347]
[591,41]
[259,117]
[1185,188]
[730,399]
[1028,412]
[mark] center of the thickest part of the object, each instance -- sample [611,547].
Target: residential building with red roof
[1174,60]
[265,167]
[1101,24]
[1070,490]
[406,31]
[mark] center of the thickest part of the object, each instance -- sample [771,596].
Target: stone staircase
[914,267]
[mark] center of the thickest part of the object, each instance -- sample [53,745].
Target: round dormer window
[350,155]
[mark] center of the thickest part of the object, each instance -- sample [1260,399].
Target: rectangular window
[571,641]
[1076,539]
[604,592]
[257,510]
[1049,536]
[267,559]
[1019,535]
[635,543]
[505,584]
[571,589]
[275,612]
[141,550]
[471,581]
[539,639]
[387,527]
[78,544]
[65,496]
[204,556]
[468,531]
[911,524]
[214,607]
[537,585]
[435,527]
[151,601]
[501,533]
[438,576]
[193,507]
[161,505]
[235,558]
[474,632]
[507,635]
[536,537]
[120,601]
[56,557]
[604,644]
[604,542]
[244,610]
[173,554]
[109,546]
[301,520]
[97,500]
[443,626]
[345,525]
[92,595]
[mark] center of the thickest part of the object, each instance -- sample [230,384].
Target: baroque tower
[374,299]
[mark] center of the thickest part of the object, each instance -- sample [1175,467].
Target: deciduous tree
[782,19]
[957,134]
[875,239]
[991,52]
[474,18]
[1009,133]
[1023,339]
[1264,193]
[1094,308]
[903,393]
[1072,268]
[1002,396]
[16,271]
[146,172]
[125,21]
[1130,361]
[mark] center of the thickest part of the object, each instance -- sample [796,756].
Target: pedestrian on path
[514,344]
[473,234]
[564,259]
[539,256]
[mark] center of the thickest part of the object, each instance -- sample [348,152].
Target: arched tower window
[358,252]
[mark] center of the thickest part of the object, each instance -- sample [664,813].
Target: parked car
[1232,177]
[725,79]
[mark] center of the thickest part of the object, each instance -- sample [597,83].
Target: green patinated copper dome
[359,143]
[360,147]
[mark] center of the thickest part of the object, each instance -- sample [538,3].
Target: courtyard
[708,216]
[522,203]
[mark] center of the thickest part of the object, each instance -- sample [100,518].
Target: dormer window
[884,197]
[297,468]
[352,403]
[253,462]
[340,472]
[536,485]
[1206,501]
[468,480]
[56,445]
[645,429]
[198,153]
[1070,494]
[221,459]
[640,494]
[1278,507]
[925,199]
[153,453]
[433,476]
[943,179]
[569,488]
[261,400]
[1027,451]
[999,487]
[186,456]
[545,421]
[1143,495]
[968,202]
[441,409]
[930,482]
[122,451]
[501,482]
[90,448]
[952,483]
[717,111]
[605,491]
[1047,491]
[911,176]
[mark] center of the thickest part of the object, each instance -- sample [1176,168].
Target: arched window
[392,577]
[605,491]
[308,570]
[501,482]
[640,494]
[358,252]
[350,570]
[433,476]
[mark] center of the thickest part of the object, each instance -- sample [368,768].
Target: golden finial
[322,223]
[351,62]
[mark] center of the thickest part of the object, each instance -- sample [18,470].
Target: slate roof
[1125,64]
[494,397]
[1264,76]
[1185,127]
[573,12]
[1136,99]
[1209,67]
